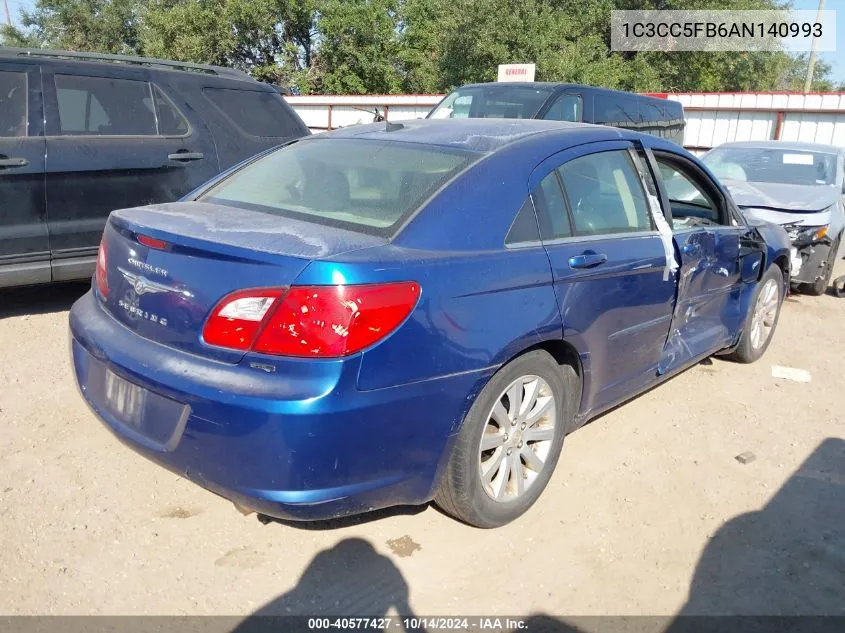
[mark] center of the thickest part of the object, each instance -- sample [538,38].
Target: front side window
[362,185]
[105,106]
[605,194]
[691,202]
[567,107]
[12,104]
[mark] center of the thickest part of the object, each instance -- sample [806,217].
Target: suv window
[257,113]
[12,103]
[105,106]
[605,194]
[689,198]
[567,107]
[171,122]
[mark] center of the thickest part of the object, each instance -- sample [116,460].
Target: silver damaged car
[800,186]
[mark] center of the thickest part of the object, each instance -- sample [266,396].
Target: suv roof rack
[127,59]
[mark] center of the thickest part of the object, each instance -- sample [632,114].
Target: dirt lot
[649,512]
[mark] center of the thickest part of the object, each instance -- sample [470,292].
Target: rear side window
[554,222]
[257,113]
[363,185]
[105,106]
[524,227]
[605,194]
[615,110]
[171,122]
[12,104]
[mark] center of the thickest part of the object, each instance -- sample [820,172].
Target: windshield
[362,185]
[763,164]
[494,101]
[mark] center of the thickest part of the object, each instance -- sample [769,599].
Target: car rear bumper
[301,443]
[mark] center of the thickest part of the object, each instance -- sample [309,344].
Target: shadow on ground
[786,559]
[346,521]
[41,299]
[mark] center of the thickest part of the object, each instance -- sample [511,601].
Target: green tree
[106,26]
[359,47]
[272,39]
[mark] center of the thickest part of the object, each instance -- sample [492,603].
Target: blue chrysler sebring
[399,312]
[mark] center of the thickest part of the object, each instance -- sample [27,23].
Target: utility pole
[811,66]
[8,15]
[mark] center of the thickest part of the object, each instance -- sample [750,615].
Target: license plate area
[125,400]
[135,411]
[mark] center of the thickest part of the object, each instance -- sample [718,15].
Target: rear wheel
[762,318]
[820,286]
[510,441]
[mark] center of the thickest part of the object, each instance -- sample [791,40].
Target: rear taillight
[102,266]
[311,321]
[236,321]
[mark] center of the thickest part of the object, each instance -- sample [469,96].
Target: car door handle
[186,156]
[13,162]
[587,260]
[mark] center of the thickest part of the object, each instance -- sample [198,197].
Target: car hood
[781,197]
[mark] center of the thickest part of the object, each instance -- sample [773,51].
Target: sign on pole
[516,72]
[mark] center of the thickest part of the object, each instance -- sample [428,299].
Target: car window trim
[639,233]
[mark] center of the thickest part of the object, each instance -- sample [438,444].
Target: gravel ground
[649,512]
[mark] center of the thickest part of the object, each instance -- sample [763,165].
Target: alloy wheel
[517,438]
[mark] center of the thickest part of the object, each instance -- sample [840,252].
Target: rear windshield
[362,185]
[492,102]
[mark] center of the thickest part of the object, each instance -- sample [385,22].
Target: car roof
[106,60]
[479,135]
[793,145]
[554,85]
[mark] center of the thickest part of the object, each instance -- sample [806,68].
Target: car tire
[818,288]
[473,488]
[756,334]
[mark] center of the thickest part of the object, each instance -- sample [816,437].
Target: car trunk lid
[168,265]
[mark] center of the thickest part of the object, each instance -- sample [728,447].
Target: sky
[835,59]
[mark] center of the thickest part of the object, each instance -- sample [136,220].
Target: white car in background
[800,186]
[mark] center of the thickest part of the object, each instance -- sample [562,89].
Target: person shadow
[762,571]
[349,580]
[767,570]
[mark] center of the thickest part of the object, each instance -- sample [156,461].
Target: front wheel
[510,441]
[762,318]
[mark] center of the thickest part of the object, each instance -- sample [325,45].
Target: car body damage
[767,182]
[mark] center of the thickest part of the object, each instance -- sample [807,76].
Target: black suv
[82,134]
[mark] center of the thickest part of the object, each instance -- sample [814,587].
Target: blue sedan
[399,312]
